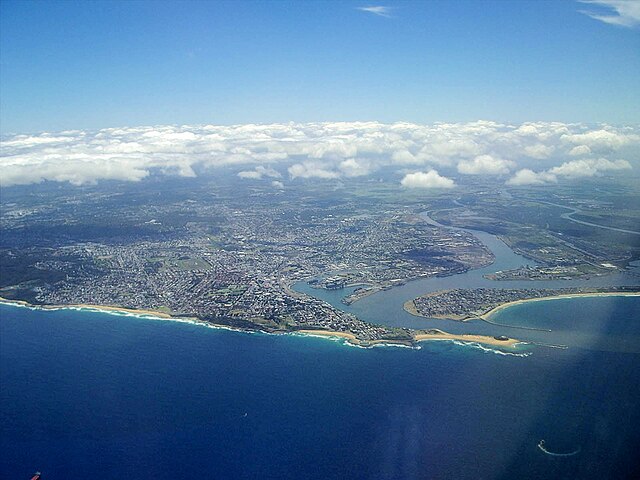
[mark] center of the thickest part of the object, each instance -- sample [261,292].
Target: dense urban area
[230,254]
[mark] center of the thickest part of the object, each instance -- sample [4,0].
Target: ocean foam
[194,321]
[479,346]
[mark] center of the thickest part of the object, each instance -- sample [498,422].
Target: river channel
[386,307]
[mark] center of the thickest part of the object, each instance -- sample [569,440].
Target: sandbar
[483,339]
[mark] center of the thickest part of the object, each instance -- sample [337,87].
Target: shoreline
[410,308]
[107,308]
[356,297]
[489,313]
[349,337]
[509,343]
[326,333]
[121,311]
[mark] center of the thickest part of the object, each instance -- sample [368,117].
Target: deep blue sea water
[92,395]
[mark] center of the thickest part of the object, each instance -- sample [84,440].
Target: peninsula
[471,304]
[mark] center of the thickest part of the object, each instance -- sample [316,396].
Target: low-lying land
[467,304]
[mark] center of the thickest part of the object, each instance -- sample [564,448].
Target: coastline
[349,337]
[509,343]
[120,311]
[489,313]
[155,315]
[107,308]
[410,307]
[327,333]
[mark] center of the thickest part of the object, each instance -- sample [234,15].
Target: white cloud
[623,13]
[485,165]
[74,172]
[404,157]
[352,167]
[529,177]
[430,179]
[379,10]
[311,170]
[580,150]
[259,172]
[589,167]
[539,150]
[305,150]
[250,174]
[444,146]
[277,184]
[601,139]
[573,169]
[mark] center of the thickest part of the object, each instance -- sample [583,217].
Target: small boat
[36,476]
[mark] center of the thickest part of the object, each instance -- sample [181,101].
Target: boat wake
[554,454]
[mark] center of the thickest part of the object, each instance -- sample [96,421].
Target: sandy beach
[410,307]
[482,339]
[151,314]
[148,314]
[350,337]
[441,335]
[486,315]
[104,308]
[329,333]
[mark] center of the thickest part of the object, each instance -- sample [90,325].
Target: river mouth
[386,307]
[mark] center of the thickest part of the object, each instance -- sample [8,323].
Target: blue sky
[67,65]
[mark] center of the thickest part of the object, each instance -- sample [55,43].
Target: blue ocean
[101,396]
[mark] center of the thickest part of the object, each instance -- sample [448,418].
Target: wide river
[386,307]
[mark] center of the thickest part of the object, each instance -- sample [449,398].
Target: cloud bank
[296,151]
[572,169]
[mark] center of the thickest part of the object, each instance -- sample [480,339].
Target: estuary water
[386,307]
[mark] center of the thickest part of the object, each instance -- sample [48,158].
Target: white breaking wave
[490,350]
